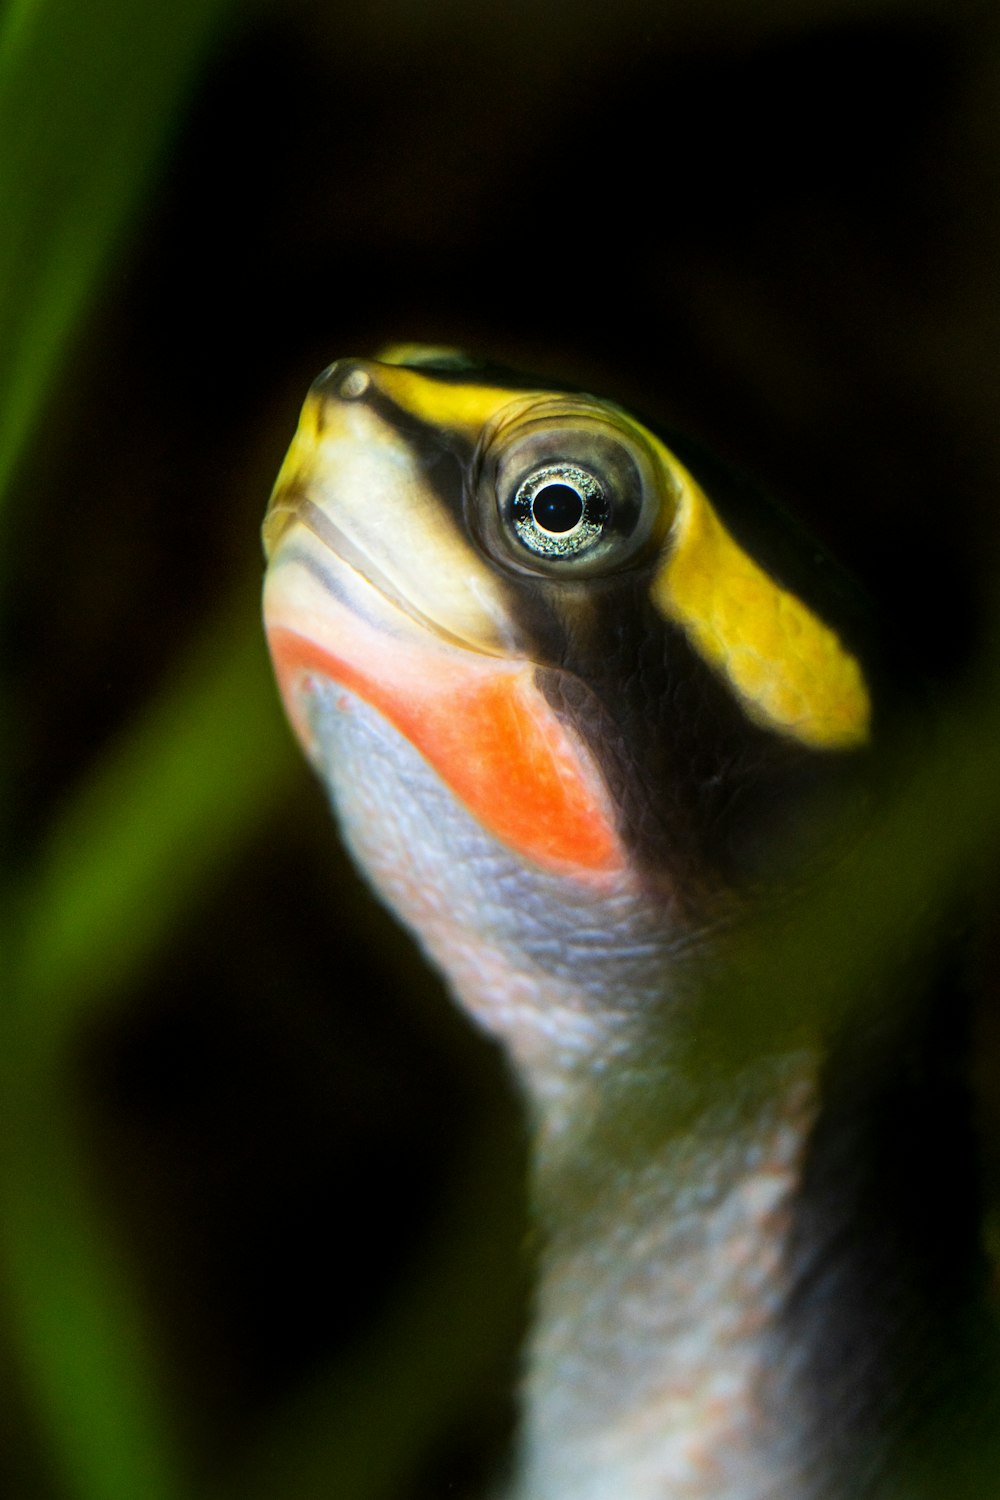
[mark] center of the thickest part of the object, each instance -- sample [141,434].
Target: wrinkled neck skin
[659,1363]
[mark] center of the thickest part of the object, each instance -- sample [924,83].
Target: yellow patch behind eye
[790,671]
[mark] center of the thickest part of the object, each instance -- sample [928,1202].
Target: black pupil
[557,507]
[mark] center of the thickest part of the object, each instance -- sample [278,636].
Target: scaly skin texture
[655,1334]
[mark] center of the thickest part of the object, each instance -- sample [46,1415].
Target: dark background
[775,226]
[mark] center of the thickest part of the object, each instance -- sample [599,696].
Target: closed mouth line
[359,561]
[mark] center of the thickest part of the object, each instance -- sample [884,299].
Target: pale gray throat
[564,976]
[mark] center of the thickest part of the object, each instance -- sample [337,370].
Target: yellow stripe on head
[463,406]
[790,671]
[422,354]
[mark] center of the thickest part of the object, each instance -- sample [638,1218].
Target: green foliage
[88,96]
[175,795]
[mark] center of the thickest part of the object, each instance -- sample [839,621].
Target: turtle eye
[559,510]
[568,487]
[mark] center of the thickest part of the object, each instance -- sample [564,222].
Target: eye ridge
[559,510]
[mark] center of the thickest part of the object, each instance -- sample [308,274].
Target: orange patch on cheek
[491,737]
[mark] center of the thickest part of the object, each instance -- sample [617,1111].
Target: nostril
[345,378]
[354,384]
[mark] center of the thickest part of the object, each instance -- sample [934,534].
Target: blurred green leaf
[161,814]
[91,1377]
[88,97]
[89,94]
